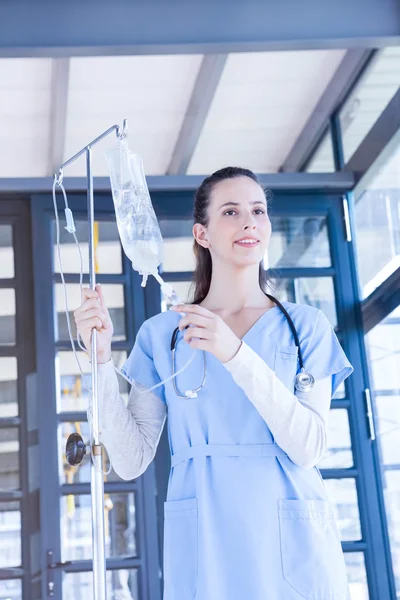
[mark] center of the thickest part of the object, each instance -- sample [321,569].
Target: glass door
[11,489]
[132,553]
[383,346]
[20,571]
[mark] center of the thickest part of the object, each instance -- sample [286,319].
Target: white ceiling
[152,92]
[25,104]
[260,108]
[261,104]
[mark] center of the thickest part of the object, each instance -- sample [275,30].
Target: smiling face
[237,212]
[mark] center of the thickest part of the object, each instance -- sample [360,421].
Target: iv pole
[76,444]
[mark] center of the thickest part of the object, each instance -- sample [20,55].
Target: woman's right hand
[93,314]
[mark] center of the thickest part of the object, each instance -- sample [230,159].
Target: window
[322,160]
[107,247]
[383,344]
[369,98]
[6,252]
[377,223]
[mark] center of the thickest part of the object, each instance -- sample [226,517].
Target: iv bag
[136,220]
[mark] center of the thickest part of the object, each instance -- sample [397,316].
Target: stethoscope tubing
[308,380]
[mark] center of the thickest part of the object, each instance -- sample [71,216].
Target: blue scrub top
[241,519]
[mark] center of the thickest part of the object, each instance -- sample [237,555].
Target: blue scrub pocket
[312,556]
[180,549]
[285,366]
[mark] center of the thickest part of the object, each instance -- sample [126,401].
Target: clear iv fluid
[136,220]
[138,229]
[137,223]
[142,254]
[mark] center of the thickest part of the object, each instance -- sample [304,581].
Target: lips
[247,239]
[250,243]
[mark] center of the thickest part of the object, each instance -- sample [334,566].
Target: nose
[249,222]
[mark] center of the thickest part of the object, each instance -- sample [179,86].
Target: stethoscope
[304,382]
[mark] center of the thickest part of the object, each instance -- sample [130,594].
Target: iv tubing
[96,470]
[71,229]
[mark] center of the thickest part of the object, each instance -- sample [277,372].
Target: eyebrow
[238,203]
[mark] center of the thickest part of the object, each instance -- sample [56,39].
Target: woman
[246,516]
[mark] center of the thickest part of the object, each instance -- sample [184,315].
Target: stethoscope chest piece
[188,393]
[304,382]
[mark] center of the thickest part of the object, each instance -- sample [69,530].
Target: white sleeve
[130,433]
[297,421]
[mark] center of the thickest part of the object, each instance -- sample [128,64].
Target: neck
[233,289]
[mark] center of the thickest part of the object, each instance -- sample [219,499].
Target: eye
[257,210]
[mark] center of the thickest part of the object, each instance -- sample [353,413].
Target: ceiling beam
[379,142]
[58,115]
[203,93]
[95,28]
[381,302]
[338,88]
[340,182]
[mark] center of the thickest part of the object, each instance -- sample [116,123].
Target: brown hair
[203,269]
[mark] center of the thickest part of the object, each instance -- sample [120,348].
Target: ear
[200,235]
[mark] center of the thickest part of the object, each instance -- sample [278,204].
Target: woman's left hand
[216,336]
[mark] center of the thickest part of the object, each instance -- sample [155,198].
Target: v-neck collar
[265,316]
[260,320]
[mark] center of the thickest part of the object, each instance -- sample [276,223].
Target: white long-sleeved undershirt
[298,422]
